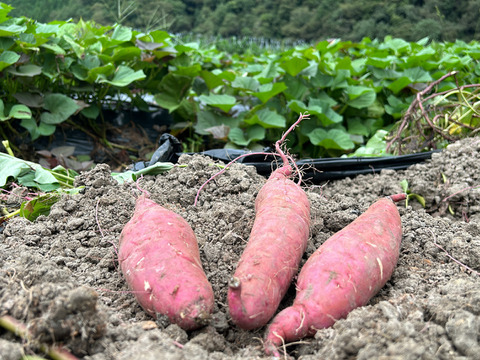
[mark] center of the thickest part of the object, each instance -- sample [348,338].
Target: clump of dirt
[59,275]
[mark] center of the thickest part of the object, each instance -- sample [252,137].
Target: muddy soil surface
[59,275]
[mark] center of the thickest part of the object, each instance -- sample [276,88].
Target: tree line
[308,20]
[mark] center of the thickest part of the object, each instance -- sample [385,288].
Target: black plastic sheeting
[314,170]
[320,170]
[169,150]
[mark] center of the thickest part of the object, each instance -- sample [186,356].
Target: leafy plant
[410,195]
[69,73]
[433,120]
[33,175]
[52,184]
[130,175]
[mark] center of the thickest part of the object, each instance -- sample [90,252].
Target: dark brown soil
[59,274]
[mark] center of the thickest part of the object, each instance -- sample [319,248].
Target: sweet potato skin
[160,260]
[343,273]
[270,260]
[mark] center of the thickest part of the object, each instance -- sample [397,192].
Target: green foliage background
[310,20]
[67,73]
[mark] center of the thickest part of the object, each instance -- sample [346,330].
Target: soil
[60,277]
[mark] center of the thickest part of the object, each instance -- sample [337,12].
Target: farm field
[60,276]
[93,116]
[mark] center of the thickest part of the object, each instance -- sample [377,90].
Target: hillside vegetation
[309,20]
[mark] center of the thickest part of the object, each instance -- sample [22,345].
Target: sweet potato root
[159,257]
[344,273]
[271,258]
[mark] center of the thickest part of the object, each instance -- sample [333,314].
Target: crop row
[354,92]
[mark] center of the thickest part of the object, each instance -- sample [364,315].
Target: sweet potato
[343,273]
[159,257]
[271,258]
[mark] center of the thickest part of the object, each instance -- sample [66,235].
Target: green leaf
[191,70]
[8,58]
[419,198]
[45,129]
[60,108]
[269,72]
[208,119]
[77,48]
[404,185]
[124,76]
[80,72]
[297,106]
[294,65]
[381,62]
[130,53]
[6,43]
[324,98]
[31,126]
[334,139]
[341,79]
[40,205]
[324,112]
[322,80]
[56,49]
[358,65]
[319,108]
[417,75]
[385,73]
[12,29]
[99,73]
[419,57]
[311,70]
[159,36]
[29,70]
[376,110]
[131,176]
[29,99]
[254,68]
[164,52]
[360,96]
[253,133]
[4,11]
[12,167]
[28,41]
[375,146]
[172,90]
[267,119]
[16,112]
[398,45]
[396,106]
[267,91]
[245,83]
[296,89]
[224,102]
[122,33]
[20,112]
[399,84]
[37,130]
[356,126]
[227,75]
[91,112]
[211,79]
[47,28]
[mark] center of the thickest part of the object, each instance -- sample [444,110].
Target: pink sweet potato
[271,258]
[342,274]
[159,257]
